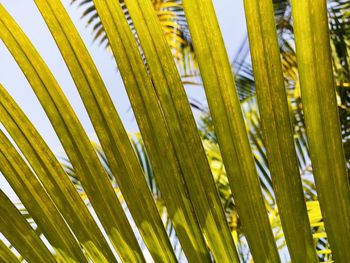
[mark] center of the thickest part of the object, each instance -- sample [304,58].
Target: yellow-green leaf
[6,255]
[121,158]
[277,130]
[153,129]
[20,234]
[183,131]
[34,197]
[230,128]
[322,123]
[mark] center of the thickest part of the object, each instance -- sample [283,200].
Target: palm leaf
[53,177]
[183,131]
[18,231]
[153,128]
[6,255]
[39,205]
[230,128]
[277,131]
[121,158]
[74,139]
[321,117]
[199,195]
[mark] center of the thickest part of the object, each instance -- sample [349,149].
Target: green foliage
[172,20]
[225,193]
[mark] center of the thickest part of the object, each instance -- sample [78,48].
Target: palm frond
[168,193]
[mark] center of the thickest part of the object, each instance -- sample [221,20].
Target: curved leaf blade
[74,140]
[109,129]
[183,131]
[54,179]
[34,197]
[153,129]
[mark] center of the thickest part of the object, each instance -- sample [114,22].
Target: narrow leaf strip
[322,121]
[56,182]
[276,126]
[6,255]
[39,205]
[110,131]
[183,131]
[230,128]
[153,129]
[20,234]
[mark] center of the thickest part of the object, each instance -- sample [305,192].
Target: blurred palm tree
[172,19]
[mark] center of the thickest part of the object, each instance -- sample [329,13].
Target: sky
[230,14]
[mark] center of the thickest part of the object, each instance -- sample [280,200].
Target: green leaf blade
[53,177]
[153,129]
[37,202]
[74,140]
[6,255]
[20,234]
[110,131]
[230,128]
[276,125]
[322,124]
[183,131]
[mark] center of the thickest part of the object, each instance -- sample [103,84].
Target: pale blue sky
[231,18]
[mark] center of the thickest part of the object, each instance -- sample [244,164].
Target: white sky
[231,18]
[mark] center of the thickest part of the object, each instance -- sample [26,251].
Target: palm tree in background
[173,22]
[183,171]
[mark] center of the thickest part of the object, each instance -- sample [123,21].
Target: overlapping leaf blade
[276,126]
[230,128]
[54,179]
[121,158]
[153,129]
[21,235]
[322,124]
[37,202]
[6,255]
[169,132]
[183,131]
[74,140]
